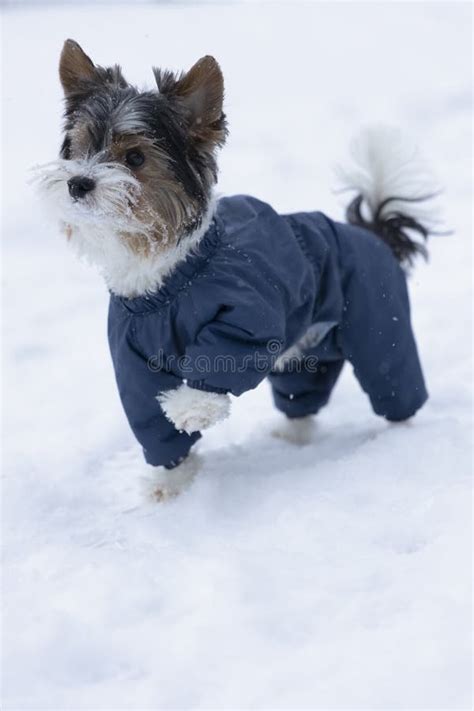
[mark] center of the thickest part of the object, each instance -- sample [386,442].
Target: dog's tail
[394,192]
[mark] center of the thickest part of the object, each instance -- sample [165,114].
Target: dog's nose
[80,186]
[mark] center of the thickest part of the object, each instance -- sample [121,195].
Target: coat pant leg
[376,334]
[304,390]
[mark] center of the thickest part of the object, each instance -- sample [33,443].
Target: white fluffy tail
[393,190]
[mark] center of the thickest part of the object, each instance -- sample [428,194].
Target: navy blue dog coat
[259,288]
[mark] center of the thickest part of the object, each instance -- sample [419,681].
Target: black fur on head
[167,138]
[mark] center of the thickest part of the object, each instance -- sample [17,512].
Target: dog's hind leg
[296,430]
[376,335]
[305,389]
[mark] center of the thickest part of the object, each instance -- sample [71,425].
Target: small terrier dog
[209,297]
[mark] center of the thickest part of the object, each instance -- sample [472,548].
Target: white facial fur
[100,225]
[105,209]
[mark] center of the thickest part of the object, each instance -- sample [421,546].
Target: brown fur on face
[162,201]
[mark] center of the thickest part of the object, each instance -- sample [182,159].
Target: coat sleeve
[139,382]
[237,349]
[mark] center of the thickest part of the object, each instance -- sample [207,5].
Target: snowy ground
[332,576]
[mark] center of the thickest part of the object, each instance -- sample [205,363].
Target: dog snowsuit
[260,288]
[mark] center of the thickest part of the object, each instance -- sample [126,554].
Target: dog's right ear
[75,68]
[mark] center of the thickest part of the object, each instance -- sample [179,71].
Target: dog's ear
[75,67]
[79,75]
[200,91]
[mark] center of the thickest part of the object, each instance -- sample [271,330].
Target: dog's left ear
[200,91]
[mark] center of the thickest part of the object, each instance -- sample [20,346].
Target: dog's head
[138,164]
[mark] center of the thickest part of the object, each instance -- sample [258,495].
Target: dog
[209,297]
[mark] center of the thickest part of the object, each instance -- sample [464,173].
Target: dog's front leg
[163,484]
[193,410]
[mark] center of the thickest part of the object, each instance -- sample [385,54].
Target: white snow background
[331,576]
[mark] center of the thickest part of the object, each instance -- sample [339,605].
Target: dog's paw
[296,430]
[192,410]
[160,484]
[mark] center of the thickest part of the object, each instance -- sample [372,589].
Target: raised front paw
[192,410]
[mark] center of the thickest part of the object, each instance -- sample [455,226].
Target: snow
[334,575]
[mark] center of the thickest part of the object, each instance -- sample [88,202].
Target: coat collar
[184,270]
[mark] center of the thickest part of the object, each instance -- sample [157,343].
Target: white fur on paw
[162,484]
[296,430]
[192,410]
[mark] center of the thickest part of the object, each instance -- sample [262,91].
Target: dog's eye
[134,158]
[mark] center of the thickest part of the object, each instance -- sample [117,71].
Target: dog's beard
[104,219]
[104,227]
